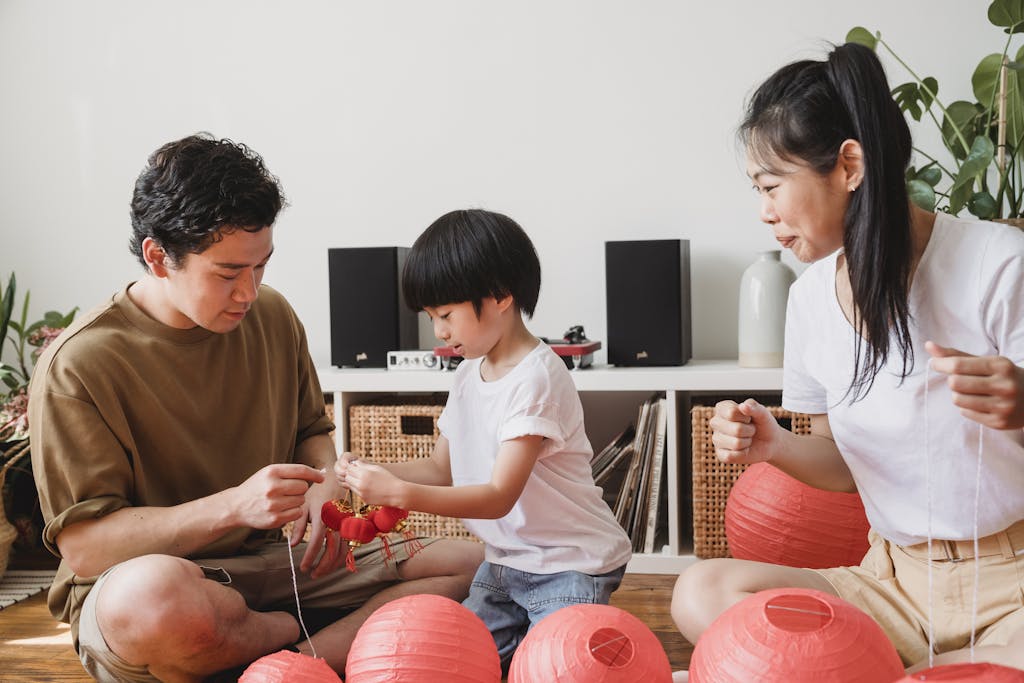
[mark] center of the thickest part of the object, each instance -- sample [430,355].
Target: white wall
[585,120]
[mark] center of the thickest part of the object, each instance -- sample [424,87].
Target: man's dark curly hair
[195,189]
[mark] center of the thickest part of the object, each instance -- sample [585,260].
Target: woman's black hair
[802,114]
[195,189]
[469,255]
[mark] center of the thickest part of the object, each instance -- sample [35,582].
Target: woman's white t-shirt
[968,294]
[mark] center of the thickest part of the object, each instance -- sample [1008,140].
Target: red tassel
[386,549]
[350,558]
[414,545]
[333,547]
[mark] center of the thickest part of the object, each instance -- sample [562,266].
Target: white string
[298,607]
[928,487]
[977,503]
[977,506]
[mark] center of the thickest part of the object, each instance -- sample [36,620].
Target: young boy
[513,460]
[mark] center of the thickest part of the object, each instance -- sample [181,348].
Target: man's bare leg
[161,611]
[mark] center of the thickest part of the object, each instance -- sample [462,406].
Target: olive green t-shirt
[125,411]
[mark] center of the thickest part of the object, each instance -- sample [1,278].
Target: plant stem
[934,161]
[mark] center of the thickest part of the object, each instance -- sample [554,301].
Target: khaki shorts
[264,579]
[891,585]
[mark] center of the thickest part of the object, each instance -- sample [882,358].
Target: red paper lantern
[794,635]
[979,671]
[289,667]
[587,643]
[772,517]
[423,639]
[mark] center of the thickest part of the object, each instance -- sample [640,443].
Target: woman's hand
[743,432]
[986,389]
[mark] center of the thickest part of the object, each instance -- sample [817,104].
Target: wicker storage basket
[7,531]
[396,430]
[713,479]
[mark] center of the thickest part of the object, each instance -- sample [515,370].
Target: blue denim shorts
[511,602]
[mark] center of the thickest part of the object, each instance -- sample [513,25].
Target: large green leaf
[976,163]
[53,319]
[915,98]
[963,115]
[982,204]
[1007,13]
[862,36]
[930,174]
[922,194]
[986,84]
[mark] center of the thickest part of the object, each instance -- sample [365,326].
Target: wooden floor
[35,648]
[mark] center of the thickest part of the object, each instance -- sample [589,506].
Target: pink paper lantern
[423,639]
[289,667]
[772,517]
[588,643]
[979,671]
[794,635]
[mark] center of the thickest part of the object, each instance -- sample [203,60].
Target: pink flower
[14,416]
[42,338]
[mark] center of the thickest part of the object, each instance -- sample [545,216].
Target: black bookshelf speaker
[648,300]
[368,312]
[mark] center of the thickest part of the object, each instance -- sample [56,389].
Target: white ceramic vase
[764,290]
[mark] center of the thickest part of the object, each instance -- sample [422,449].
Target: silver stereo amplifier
[413,360]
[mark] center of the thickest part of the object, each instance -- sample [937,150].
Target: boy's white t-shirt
[560,522]
[968,294]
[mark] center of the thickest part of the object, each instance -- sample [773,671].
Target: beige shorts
[891,585]
[264,579]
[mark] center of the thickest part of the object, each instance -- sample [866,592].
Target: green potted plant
[983,137]
[17,488]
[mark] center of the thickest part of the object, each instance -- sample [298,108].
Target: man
[176,428]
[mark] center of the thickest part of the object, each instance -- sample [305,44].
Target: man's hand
[986,389]
[273,496]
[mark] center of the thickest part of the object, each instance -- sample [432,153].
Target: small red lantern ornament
[288,667]
[362,526]
[423,639]
[794,635]
[333,512]
[979,671]
[772,517]
[586,643]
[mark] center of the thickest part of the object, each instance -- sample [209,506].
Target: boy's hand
[373,483]
[987,389]
[341,467]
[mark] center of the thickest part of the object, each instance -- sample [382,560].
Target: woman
[904,340]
